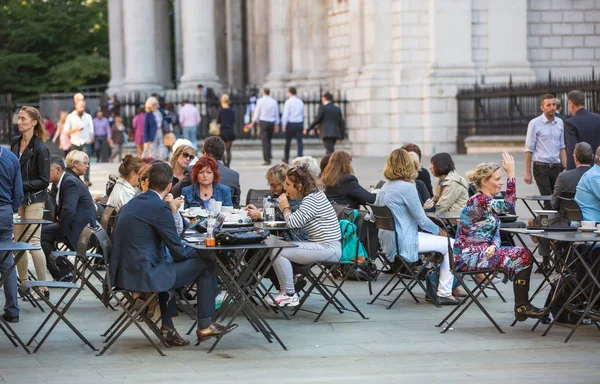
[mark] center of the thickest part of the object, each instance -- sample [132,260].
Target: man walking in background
[266,115]
[332,126]
[545,147]
[102,137]
[292,123]
[80,128]
[583,125]
[189,119]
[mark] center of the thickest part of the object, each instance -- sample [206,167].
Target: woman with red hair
[205,179]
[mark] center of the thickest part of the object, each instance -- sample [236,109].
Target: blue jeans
[190,134]
[11,303]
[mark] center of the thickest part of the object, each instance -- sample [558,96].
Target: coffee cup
[225,209]
[598,227]
[242,213]
[588,224]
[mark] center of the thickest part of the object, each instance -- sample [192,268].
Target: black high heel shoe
[528,311]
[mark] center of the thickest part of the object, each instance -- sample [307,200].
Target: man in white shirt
[80,128]
[292,123]
[267,116]
[189,119]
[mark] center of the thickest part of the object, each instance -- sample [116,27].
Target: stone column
[262,40]
[507,43]
[178,41]
[140,46]
[355,59]
[115,36]
[199,51]
[278,48]
[450,65]
[235,54]
[301,42]
[163,43]
[250,42]
[317,50]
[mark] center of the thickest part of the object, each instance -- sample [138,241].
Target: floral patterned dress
[479,228]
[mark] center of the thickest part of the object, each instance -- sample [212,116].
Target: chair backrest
[450,249]
[572,211]
[91,237]
[384,219]
[107,221]
[339,209]
[256,196]
[380,184]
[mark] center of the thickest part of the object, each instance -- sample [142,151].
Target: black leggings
[228,152]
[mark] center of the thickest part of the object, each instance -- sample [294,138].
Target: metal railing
[507,109]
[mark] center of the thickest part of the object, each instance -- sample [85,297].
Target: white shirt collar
[60,181]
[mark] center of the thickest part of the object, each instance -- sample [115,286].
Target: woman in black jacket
[34,158]
[341,186]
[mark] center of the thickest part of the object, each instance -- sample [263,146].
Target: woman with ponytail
[34,158]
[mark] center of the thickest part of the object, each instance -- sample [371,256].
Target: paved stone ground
[396,345]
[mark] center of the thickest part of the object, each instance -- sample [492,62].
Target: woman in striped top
[317,217]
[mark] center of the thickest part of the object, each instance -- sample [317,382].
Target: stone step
[494,144]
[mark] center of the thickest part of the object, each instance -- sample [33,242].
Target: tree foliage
[52,46]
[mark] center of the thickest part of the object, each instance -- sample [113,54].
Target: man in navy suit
[583,125]
[332,126]
[140,262]
[74,210]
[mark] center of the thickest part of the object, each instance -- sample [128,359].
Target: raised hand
[508,163]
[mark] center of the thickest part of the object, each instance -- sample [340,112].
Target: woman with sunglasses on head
[317,217]
[126,186]
[181,159]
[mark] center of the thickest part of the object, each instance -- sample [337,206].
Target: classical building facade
[399,62]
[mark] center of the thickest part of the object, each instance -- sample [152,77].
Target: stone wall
[339,43]
[563,36]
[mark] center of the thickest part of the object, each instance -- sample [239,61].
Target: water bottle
[211,222]
[268,209]
[212,204]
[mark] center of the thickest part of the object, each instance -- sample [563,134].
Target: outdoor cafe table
[18,249]
[240,271]
[539,199]
[561,265]
[29,223]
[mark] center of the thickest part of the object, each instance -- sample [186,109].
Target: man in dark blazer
[581,126]
[332,126]
[74,210]
[148,256]
[214,147]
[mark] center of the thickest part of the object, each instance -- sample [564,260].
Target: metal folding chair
[256,196]
[89,237]
[472,294]
[403,272]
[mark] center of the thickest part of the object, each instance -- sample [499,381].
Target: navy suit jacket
[330,121]
[583,126]
[144,230]
[75,209]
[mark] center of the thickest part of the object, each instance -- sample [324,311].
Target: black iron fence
[507,109]
[6,119]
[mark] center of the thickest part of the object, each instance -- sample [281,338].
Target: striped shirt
[317,217]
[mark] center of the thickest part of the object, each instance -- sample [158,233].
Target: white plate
[545,212]
[587,229]
[274,223]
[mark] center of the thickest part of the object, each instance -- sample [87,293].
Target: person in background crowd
[323,164]
[102,137]
[226,118]
[156,124]
[266,115]
[310,162]
[332,127]
[49,126]
[189,119]
[477,244]
[80,128]
[34,158]
[452,190]
[64,143]
[205,179]
[138,130]
[423,174]
[588,192]
[292,123]
[11,196]
[248,116]
[421,187]
[559,110]
[341,186]
[212,104]
[545,146]
[174,118]
[126,186]
[180,160]
[117,133]
[201,89]
[583,125]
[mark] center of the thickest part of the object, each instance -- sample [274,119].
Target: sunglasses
[188,156]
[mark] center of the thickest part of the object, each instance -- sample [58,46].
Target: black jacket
[349,192]
[426,179]
[330,121]
[583,126]
[35,169]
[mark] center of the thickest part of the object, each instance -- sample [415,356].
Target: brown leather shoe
[172,338]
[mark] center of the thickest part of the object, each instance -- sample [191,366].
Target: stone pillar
[115,36]
[235,54]
[199,51]
[301,42]
[262,40]
[178,41]
[140,46]
[507,43]
[317,50]
[450,65]
[250,42]
[163,43]
[278,48]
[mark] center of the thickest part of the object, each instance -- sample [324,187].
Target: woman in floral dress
[477,243]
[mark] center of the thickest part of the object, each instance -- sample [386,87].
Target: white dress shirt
[293,111]
[58,187]
[75,121]
[267,109]
[545,139]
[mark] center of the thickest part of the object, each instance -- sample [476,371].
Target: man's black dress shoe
[10,319]
[67,278]
[524,312]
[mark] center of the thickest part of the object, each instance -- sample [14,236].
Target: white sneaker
[282,300]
